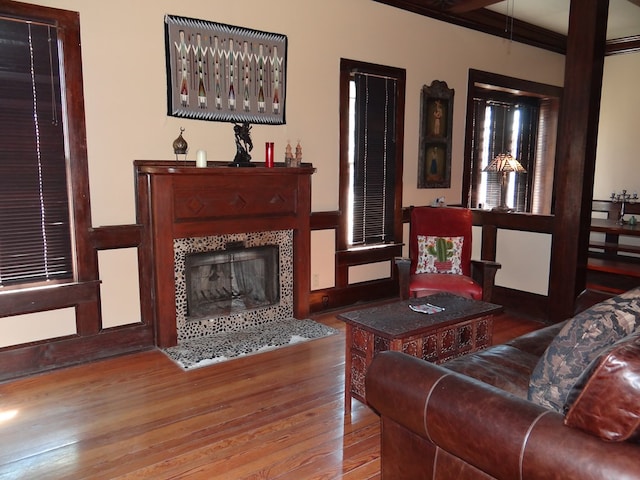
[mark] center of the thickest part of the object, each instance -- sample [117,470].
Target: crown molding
[497,24]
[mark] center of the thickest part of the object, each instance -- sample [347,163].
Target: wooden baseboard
[525,304]
[332,298]
[38,357]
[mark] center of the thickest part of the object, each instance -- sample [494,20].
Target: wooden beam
[623,45]
[576,152]
[487,21]
[463,6]
[116,236]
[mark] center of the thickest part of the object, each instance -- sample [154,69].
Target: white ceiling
[624,16]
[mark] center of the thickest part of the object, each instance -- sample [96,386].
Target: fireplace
[185,210]
[229,281]
[274,249]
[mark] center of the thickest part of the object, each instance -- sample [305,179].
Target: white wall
[125,102]
[525,259]
[618,152]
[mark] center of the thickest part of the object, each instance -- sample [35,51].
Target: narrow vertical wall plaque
[436,123]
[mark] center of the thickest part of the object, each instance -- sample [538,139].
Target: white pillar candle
[201,158]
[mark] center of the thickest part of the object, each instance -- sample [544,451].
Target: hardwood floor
[277,415]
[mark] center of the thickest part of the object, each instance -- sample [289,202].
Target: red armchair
[440,256]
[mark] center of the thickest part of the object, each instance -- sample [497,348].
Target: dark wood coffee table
[464,326]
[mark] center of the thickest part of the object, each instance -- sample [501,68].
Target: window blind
[374,159]
[35,238]
[495,132]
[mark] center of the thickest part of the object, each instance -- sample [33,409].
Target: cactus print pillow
[439,254]
[581,340]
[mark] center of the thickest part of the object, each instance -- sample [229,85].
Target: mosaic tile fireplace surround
[239,318]
[184,209]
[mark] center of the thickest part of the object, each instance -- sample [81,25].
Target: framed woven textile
[224,73]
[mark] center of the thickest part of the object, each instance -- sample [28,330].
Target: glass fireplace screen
[235,279]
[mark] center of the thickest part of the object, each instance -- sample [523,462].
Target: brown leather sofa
[470,418]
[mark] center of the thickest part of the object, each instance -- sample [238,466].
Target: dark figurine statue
[243,145]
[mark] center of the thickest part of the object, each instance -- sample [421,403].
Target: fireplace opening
[227,281]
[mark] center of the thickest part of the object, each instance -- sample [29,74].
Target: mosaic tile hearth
[189,330]
[225,346]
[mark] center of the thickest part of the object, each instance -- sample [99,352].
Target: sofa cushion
[537,341]
[604,401]
[424,284]
[581,340]
[502,366]
[507,366]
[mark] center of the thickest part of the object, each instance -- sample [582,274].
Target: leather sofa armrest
[505,436]
[484,272]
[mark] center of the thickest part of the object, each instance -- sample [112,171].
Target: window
[34,207]
[510,116]
[44,215]
[506,126]
[372,109]
[48,248]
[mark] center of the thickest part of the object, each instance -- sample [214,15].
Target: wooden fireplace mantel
[178,200]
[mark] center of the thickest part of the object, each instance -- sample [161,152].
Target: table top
[612,226]
[397,320]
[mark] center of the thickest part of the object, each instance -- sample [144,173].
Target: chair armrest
[498,433]
[484,273]
[404,274]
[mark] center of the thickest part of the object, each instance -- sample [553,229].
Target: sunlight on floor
[6,415]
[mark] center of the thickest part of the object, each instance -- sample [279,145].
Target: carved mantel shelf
[178,200]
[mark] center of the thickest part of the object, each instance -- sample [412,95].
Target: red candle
[268,155]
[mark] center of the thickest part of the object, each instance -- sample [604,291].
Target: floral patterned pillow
[581,340]
[439,254]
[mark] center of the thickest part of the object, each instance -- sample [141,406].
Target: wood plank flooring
[277,415]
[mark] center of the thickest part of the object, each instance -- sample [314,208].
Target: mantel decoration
[224,73]
[623,199]
[180,145]
[243,145]
[436,112]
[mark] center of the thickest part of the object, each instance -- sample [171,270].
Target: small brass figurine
[288,155]
[298,158]
[180,145]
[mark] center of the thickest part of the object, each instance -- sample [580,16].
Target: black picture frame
[436,122]
[220,72]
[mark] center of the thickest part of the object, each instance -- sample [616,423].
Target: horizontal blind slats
[35,239]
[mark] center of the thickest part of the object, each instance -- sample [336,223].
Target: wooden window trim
[346,68]
[549,94]
[85,258]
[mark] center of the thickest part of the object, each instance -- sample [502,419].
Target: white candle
[201,158]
